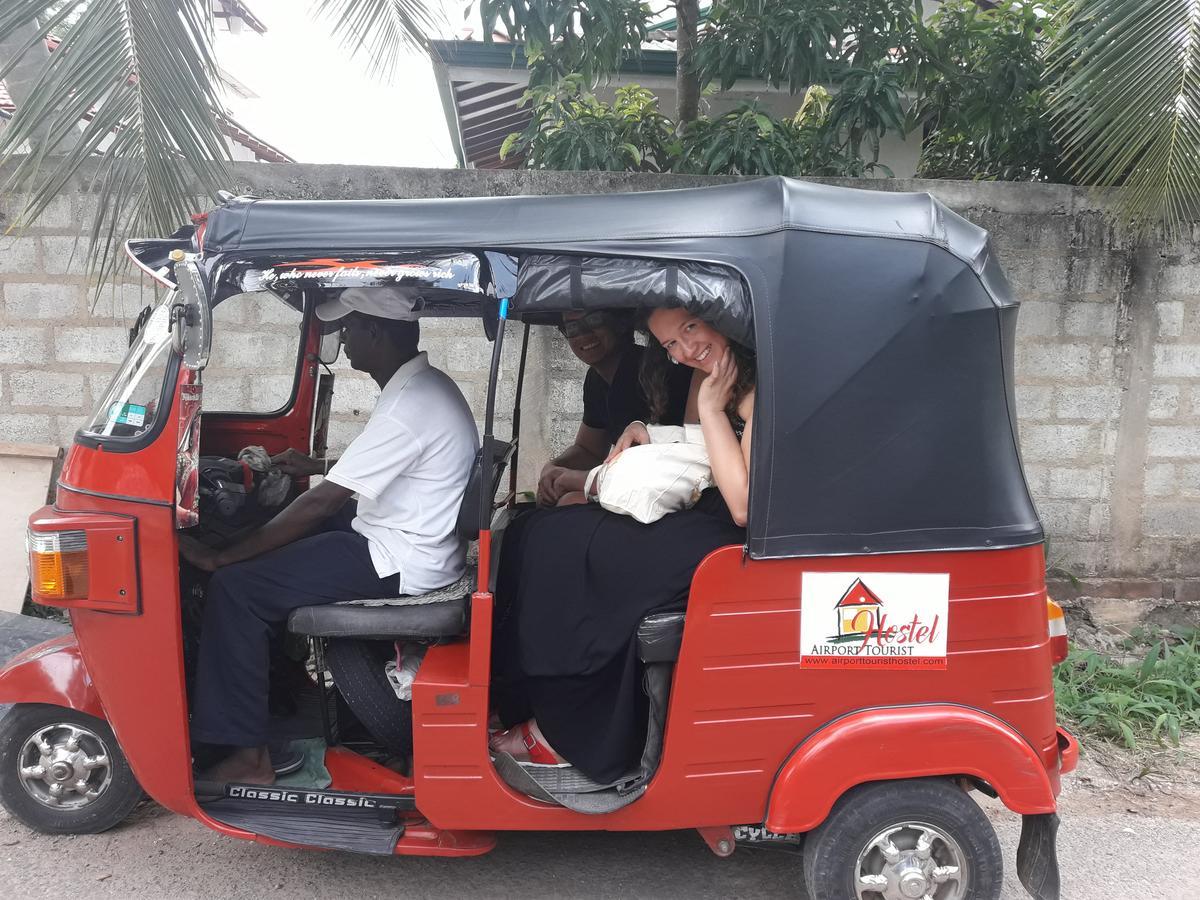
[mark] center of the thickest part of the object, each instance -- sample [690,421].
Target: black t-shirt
[611,407]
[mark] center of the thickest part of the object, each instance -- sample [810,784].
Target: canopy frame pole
[516,419]
[487,449]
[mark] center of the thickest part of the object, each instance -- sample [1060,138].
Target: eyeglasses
[584,324]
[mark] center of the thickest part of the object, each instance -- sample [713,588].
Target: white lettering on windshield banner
[879,620]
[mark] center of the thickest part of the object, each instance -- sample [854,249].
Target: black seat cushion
[446,618]
[659,636]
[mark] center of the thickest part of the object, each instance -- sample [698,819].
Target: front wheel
[62,772]
[922,839]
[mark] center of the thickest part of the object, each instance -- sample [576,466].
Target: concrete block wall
[1108,354]
[60,343]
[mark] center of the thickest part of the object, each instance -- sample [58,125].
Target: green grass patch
[1145,691]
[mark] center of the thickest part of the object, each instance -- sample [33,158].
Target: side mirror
[330,347]
[191,316]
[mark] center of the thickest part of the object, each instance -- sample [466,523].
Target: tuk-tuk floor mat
[339,828]
[567,786]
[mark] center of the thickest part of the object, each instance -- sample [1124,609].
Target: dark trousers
[249,603]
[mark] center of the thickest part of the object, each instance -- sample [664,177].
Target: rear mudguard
[907,742]
[1037,856]
[51,672]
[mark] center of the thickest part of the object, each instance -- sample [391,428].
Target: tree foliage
[982,95]
[563,37]
[1126,103]
[802,42]
[141,77]
[969,85]
[744,141]
[571,129]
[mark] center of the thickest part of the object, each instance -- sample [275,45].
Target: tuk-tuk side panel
[742,699]
[741,702]
[457,787]
[136,661]
[146,474]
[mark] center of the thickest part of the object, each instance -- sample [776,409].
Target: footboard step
[333,820]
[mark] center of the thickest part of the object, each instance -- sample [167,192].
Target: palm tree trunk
[24,75]
[687,83]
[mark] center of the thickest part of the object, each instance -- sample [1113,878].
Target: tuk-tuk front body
[885,481]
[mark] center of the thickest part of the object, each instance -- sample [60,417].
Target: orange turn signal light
[58,565]
[1058,632]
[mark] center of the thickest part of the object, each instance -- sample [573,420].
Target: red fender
[51,672]
[907,742]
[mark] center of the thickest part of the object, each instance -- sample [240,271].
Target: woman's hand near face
[634,434]
[716,390]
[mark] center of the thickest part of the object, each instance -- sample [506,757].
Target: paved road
[1107,852]
[1105,855]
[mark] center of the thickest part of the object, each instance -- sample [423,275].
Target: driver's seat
[440,614]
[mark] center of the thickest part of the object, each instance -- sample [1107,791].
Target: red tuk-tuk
[881,646]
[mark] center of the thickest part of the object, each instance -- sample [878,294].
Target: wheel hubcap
[64,766]
[911,861]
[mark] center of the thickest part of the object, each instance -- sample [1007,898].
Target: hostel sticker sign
[878,620]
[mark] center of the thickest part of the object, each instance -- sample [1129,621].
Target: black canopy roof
[883,324]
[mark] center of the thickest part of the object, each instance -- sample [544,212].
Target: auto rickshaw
[880,647]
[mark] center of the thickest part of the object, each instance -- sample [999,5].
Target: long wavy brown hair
[657,366]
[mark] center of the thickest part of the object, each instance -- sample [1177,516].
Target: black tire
[831,851]
[116,798]
[357,669]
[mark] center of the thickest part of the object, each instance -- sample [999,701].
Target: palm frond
[382,29]
[1126,103]
[141,77]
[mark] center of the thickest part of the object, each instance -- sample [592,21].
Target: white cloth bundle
[650,480]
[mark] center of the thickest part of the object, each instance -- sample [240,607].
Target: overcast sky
[318,106]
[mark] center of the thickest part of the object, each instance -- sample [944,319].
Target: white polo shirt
[409,468]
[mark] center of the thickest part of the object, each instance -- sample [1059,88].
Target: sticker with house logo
[880,620]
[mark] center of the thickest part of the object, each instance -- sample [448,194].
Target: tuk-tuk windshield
[131,405]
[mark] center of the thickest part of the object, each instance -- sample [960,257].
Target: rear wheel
[62,772]
[904,840]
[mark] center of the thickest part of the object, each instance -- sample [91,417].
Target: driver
[409,468]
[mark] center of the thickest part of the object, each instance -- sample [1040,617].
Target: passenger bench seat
[659,636]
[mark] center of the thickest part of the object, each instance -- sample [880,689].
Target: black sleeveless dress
[573,584]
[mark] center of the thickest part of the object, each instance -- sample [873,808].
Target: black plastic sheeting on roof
[559,283]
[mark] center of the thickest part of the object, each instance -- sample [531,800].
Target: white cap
[391,301]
